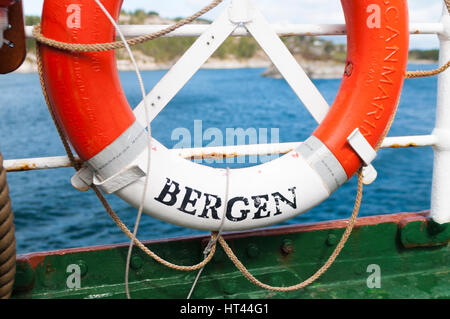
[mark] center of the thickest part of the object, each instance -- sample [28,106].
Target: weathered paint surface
[222,152]
[411,252]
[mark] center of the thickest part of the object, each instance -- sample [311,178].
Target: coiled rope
[96,47]
[7,238]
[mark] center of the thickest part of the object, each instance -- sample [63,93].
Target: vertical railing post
[440,192]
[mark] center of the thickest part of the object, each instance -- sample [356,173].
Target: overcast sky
[279,11]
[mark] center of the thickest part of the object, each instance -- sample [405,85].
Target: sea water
[51,214]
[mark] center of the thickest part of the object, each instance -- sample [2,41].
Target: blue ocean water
[50,214]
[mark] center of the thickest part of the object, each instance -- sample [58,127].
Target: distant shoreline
[314,69]
[320,58]
[30,66]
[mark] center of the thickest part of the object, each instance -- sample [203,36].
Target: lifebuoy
[88,101]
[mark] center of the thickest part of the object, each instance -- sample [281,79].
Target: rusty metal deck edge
[273,231]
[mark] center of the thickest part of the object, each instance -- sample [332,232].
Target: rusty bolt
[331,240]
[287,247]
[348,68]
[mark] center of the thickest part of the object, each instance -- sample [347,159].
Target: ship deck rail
[439,138]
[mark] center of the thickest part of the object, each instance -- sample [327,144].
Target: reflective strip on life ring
[87,98]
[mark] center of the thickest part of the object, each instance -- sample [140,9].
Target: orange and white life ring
[89,103]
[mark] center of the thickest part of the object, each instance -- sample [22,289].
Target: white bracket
[125,177]
[286,64]
[85,177]
[191,61]
[367,154]
[239,11]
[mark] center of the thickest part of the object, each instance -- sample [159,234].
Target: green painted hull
[411,251]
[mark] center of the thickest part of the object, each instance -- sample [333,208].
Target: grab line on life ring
[103,130]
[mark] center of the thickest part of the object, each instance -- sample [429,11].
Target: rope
[322,269]
[77,164]
[340,245]
[337,250]
[7,238]
[149,144]
[138,243]
[421,74]
[214,236]
[97,47]
[212,242]
[352,220]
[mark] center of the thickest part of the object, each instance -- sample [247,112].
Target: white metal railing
[439,139]
[26,164]
[196,30]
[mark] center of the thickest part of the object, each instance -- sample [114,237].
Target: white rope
[149,139]
[213,241]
